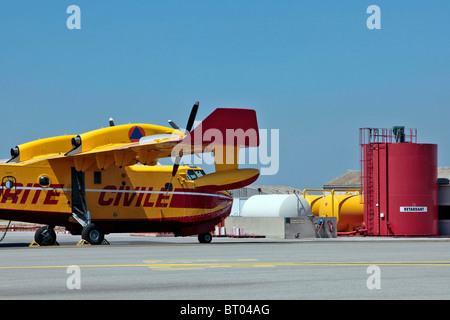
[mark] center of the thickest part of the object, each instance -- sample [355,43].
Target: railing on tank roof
[384,135]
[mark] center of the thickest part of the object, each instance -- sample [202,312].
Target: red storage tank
[400,184]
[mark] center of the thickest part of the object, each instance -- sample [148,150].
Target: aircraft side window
[8,187]
[191,175]
[168,186]
[9,184]
[44,181]
[97,177]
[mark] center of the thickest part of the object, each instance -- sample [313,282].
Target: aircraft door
[79,206]
[8,187]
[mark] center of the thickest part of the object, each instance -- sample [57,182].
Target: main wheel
[45,236]
[93,234]
[205,238]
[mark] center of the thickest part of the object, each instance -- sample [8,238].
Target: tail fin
[228,121]
[224,132]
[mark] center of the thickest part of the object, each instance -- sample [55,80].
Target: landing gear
[45,236]
[205,238]
[93,234]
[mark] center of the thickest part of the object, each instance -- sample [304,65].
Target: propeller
[190,120]
[176,165]
[189,126]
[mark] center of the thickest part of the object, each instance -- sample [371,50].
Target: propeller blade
[175,169]
[174,125]
[176,165]
[192,117]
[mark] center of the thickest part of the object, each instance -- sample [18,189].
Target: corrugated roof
[252,190]
[351,179]
[276,189]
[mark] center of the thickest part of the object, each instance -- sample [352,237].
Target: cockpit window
[200,173]
[194,174]
[191,175]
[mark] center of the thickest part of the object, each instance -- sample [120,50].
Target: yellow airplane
[109,180]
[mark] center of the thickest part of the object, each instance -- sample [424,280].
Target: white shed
[276,205]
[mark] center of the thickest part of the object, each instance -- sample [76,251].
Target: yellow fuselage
[127,199]
[41,185]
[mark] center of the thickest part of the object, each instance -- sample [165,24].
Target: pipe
[351,232]
[332,191]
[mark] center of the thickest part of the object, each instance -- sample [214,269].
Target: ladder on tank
[367,179]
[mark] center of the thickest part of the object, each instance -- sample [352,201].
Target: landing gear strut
[205,238]
[45,236]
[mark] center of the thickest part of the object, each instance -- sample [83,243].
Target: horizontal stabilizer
[227,180]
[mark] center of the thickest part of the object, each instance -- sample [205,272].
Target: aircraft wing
[223,131]
[147,149]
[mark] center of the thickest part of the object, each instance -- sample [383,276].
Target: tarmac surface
[168,268]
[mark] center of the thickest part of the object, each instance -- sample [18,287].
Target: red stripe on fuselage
[178,198]
[199,200]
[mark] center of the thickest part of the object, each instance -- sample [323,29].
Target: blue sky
[311,69]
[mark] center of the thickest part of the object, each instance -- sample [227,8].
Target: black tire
[205,238]
[45,236]
[93,234]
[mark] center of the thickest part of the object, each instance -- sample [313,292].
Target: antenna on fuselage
[111,122]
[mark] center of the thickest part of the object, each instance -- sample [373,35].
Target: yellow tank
[314,201]
[347,208]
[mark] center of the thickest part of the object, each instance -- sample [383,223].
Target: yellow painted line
[264,266]
[176,268]
[246,264]
[224,266]
[247,260]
